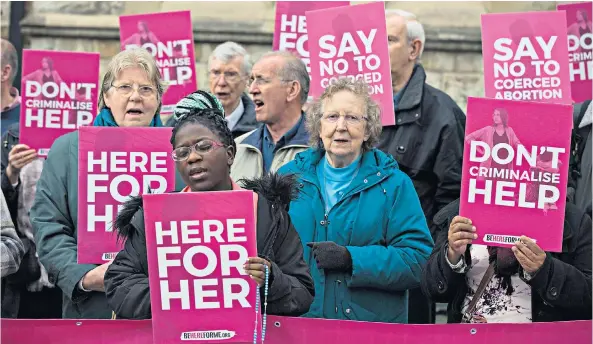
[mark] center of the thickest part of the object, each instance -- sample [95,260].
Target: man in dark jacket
[427,139]
[560,289]
[579,191]
[229,67]
[10,100]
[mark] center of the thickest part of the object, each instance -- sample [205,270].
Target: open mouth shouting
[258,104]
[134,112]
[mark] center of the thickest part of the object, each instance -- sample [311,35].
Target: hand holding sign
[20,156]
[95,279]
[461,234]
[255,268]
[530,256]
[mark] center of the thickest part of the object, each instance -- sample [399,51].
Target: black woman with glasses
[204,150]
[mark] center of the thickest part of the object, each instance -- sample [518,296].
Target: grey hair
[135,57]
[9,57]
[294,69]
[359,89]
[229,50]
[414,27]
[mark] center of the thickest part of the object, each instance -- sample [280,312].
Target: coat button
[365,181]
[554,291]
[301,185]
[416,115]
[347,310]
[378,174]
[440,285]
[399,120]
[322,223]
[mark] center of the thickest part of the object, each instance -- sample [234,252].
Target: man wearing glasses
[279,86]
[228,71]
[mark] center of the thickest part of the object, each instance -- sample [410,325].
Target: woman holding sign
[359,215]
[130,96]
[204,150]
[516,284]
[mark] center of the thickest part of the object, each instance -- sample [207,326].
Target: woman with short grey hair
[365,235]
[131,93]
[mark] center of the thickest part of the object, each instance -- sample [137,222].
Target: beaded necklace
[265,315]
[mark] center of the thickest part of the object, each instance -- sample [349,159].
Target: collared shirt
[11,113]
[235,116]
[268,148]
[16,102]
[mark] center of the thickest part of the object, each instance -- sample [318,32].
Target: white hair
[415,29]
[229,50]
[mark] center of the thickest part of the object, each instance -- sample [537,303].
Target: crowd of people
[356,221]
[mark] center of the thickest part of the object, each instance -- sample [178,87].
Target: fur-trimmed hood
[279,191]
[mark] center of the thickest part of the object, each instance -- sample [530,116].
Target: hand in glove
[331,256]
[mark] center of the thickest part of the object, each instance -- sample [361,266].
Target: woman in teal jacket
[365,235]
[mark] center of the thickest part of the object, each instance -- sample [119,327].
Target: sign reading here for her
[515,167]
[116,163]
[197,244]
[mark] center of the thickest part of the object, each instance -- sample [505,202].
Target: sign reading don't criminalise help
[114,164]
[197,244]
[515,171]
[59,95]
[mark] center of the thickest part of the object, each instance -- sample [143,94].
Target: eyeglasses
[350,119]
[228,76]
[127,89]
[203,147]
[258,81]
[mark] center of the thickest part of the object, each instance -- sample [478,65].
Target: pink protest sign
[56,98]
[169,37]
[580,48]
[286,330]
[197,243]
[351,42]
[290,31]
[515,171]
[115,163]
[526,56]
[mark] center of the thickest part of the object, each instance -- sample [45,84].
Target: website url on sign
[502,239]
[208,335]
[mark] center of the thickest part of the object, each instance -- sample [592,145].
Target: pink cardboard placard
[290,30]
[515,171]
[169,37]
[115,163]
[526,56]
[286,330]
[580,48]
[197,243]
[57,98]
[351,42]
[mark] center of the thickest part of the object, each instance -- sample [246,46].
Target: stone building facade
[452,54]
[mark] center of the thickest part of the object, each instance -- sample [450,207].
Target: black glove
[331,256]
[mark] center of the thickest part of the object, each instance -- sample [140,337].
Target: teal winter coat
[380,221]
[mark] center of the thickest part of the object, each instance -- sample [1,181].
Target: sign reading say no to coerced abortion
[169,37]
[59,95]
[526,56]
[351,42]
[114,164]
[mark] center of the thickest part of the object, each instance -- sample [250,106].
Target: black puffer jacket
[561,289]
[291,290]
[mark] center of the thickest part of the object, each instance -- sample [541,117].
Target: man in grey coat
[579,190]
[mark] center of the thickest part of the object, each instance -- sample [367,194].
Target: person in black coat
[201,129]
[559,284]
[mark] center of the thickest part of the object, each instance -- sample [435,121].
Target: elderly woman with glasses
[130,96]
[203,150]
[365,233]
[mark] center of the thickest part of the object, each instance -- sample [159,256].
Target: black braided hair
[203,108]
